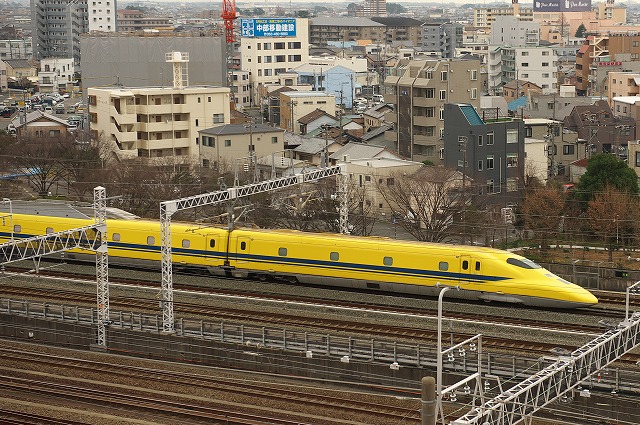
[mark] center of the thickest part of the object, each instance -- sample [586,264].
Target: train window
[388,261]
[115,237]
[243,245]
[282,252]
[477,266]
[465,265]
[151,240]
[212,243]
[334,256]
[523,262]
[186,243]
[49,230]
[443,266]
[17,228]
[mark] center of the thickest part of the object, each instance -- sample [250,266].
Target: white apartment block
[511,31]
[266,57]
[535,64]
[157,122]
[241,89]
[102,15]
[55,74]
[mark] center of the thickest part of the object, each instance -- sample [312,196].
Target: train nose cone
[584,298]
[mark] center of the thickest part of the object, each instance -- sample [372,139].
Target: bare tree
[431,202]
[612,215]
[542,210]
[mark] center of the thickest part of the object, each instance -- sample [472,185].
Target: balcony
[165,144]
[425,121]
[424,102]
[159,127]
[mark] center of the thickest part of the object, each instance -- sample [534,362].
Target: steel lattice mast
[517,403]
[102,263]
[168,208]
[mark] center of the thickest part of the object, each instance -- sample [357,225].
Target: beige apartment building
[621,83]
[157,122]
[228,146]
[418,90]
[296,104]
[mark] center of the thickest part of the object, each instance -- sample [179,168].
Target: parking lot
[5,121]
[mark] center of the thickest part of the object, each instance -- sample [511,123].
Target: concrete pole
[428,400]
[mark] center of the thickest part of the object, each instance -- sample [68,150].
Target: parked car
[71,109]
[48,109]
[59,108]
[8,111]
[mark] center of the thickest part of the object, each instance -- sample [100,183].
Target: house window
[545,63]
[512,184]
[441,114]
[480,140]
[443,94]
[512,136]
[490,138]
[390,181]
[490,186]
[474,74]
[568,149]
[525,64]
[443,76]
[474,93]
[489,162]
[227,143]
[512,160]
[274,139]
[218,118]
[637,159]
[524,53]
[480,163]
[430,112]
[430,93]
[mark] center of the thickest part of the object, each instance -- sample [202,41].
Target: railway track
[184,408]
[342,325]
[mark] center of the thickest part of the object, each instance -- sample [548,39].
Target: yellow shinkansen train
[327,259]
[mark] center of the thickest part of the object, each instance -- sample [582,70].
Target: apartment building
[401,30]
[604,52]
[419,90]
[55,74]
[444,38]
[130,20]
[57,26]
[623,84]
[16,48]
[296,104]
[324,30]
[102,15]
[265,56]
[483,17]
[371,8]
[535,64]
[157,122]
[511,31]
[491,153]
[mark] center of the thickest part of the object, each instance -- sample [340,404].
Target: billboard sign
[268,27]
[561,5]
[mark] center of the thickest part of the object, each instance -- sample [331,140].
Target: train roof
[62,209]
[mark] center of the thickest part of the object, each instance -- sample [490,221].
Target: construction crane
[229,15]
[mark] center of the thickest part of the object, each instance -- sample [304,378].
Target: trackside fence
[346,349]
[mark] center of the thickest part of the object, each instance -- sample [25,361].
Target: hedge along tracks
[118,385]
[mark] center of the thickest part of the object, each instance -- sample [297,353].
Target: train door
[469,267]
[243,245]
[213,250]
